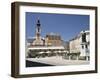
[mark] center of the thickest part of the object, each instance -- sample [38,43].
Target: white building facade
[85,44]
[81,45]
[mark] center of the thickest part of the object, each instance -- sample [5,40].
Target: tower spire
[38,21]
[38,28]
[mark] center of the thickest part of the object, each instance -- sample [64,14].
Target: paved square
[58,61]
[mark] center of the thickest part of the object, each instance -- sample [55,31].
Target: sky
[66,25]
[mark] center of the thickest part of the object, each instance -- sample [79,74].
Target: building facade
[74,45]
[81,45]
[53,39]
[85,44]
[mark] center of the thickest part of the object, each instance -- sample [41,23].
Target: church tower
[38,41]
[38,29]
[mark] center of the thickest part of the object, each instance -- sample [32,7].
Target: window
[82,47]
[86,46]
[84,37]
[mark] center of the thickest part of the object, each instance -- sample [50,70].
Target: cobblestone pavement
[58,61]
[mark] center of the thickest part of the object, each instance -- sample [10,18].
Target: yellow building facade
[53,40]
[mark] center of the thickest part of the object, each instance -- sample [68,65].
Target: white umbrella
[59,51]
[48,52]
[65,51]
[56,51]
[41,52]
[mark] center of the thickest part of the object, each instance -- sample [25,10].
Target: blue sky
[67,25]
